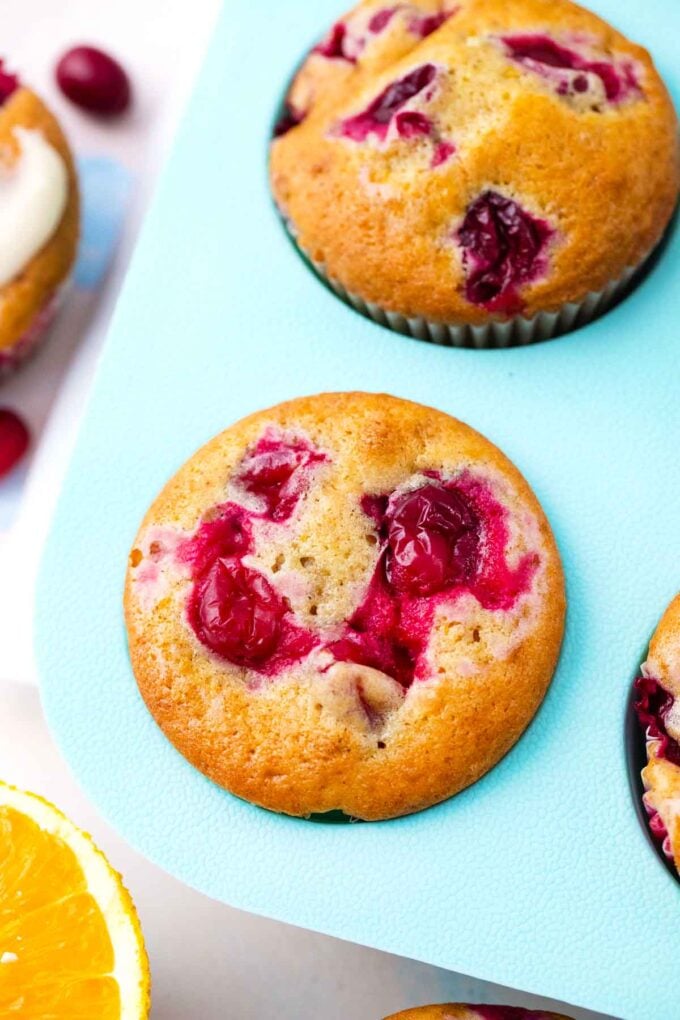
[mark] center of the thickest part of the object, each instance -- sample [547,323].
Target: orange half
[70,942]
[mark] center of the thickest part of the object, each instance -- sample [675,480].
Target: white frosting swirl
[33,196]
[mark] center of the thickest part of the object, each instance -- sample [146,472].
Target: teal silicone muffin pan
[540,876]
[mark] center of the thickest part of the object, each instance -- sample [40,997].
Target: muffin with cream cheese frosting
[40,206]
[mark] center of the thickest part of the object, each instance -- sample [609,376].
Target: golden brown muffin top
[511,159]
[347,601]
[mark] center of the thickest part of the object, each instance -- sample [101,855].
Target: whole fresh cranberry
[433,540]
[14,440]
[92,79]
[503,249]
[9,83]
[236,613]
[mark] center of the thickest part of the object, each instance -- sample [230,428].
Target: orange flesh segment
[54,942]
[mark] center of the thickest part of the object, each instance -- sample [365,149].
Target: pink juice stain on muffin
[277,473]
[381,19]
[9,83]
[339,44]
[504,247]
[378,116]
[442,154]
[438,541]
[652,706]
[426,24]
[234,610]
[544,56]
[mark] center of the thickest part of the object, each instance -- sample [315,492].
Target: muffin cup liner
[13,357]
[514,332]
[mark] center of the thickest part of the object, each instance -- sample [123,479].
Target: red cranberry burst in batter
[458,1011]
[657,703]
[329,582]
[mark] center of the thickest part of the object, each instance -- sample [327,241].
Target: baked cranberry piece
[652,705]
[9,83]
[411,124]
[376,118]
[14,440]
[337,45]
[421,25]
[289,118]
[429,23]
[378,651]
[443,152]
[433,540]
[506,1013]
[237,613]
[275,471]
[381,19]
[504,247]
[540,52]
[227,533]
[92,79]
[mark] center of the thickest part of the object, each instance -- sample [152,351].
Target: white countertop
[208,961]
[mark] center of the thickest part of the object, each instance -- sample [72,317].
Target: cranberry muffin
[346,602]
[481,172]
[40,226]
[658,709]
[460,1012]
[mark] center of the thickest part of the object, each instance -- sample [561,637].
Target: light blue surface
[105,189]
[539,876]
[105,186]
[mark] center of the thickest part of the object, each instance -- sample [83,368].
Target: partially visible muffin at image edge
[346,602]
[40,213]
[658,709]
[479,172]
[454,1011]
